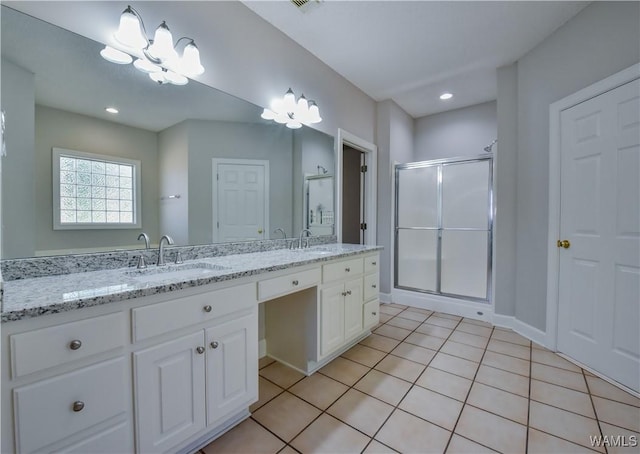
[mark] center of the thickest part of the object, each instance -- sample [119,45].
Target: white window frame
[57,225]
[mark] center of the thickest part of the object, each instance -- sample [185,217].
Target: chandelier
[291,112]
[157,57]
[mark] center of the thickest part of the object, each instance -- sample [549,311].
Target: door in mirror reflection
[240,188]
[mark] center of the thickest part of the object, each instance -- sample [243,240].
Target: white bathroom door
[599,281]
[240,200]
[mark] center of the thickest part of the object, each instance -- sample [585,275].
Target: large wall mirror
[194,144]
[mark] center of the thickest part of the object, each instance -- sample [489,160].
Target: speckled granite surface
[24,298]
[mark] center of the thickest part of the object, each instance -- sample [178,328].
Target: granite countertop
[26,298]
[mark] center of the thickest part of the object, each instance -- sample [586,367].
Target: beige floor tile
[366,356]
[473,321]
[461,445]
[414,353]
[328,435]
[344,370]
[415,316]
[626,444]
[434,330]
[462,351]
[502,379]
[265,361]
[419,310]
[248,436]
[454,365]
[499,402]
[319,390]
[393,332]
[507,348]
[505,362]
[561,397]
[399,306]
[449,316]
[281,375]
[602,388]
[382,343]
[510,336]
[441,321]
[361,411]
[424,340]
[266,392]
[491,430]
[563,424]
[558,376]
[383,386]
[403,323]
[617,413]
[469,339]
[445,383]
[288,450]
[543,443]
[472,328]
[409,434]
[400,367]
[387,309]
[375,447]
[286,415]
[433,407]
[551,359]
[384,318]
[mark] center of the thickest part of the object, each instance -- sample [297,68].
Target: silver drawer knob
[295,282]
[207,308]
[214,344]
[374,313]
[344,293]
[75,344]
[374,263]
[347,269]
[200,350]
[348,292]
[77,406]
[373,285]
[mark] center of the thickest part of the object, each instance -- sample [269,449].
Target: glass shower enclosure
[444,226]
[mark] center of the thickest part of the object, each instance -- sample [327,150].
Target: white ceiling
[412,51]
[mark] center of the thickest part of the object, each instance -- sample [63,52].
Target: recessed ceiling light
[445,96]
[111,110]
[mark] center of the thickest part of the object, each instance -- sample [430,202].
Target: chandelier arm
[181,38]
[144,29]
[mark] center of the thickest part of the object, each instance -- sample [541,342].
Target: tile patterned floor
[433,382]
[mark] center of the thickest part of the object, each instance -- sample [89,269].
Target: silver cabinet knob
[207,308]
[348,292]
[373,286]
[77,406]
[214,344]
[344,293]
[75,344]
[374,313]
[295,282]
[374,263]
[347,269]
[200,350]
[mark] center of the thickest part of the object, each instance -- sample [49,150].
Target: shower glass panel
[443,227]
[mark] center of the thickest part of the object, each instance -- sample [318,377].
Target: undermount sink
[174,271]
[309,251]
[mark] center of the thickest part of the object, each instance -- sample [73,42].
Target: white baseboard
[262,348]
[385,298]
[520,327]
[454,306]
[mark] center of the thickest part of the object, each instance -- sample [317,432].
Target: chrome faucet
[161,249]
[146,239]
[301,235]
[281,230]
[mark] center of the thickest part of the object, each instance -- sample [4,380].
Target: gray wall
[18,167]
[460,132]
[601,40]
[61,129]
[208,140]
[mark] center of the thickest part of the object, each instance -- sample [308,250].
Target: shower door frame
[440,163]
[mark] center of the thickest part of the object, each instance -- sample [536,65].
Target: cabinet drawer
[342,270]
[371,283]
[109,441]
[161,318]
[371,263]
[287,284]
[371,313]
[45,413]
[43,348]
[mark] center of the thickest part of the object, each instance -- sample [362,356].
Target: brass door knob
[564,243]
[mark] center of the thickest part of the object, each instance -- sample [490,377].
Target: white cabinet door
[169,392]
[331,318]
[232,367]
[352,308]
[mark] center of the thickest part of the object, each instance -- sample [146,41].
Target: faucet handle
[141,262]
[178,258]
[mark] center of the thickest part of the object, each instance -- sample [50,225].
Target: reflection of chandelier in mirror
[291,112]
[158,57]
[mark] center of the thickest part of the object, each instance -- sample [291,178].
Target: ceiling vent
[306,5]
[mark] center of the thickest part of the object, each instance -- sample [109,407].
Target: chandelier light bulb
[314,113]
[146,66]
[294,124]
[162,47]
[116,56]
[268,114]
[289,101]
[175,78]
[158,77]
[129,32]
[191,60]
[294,114]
